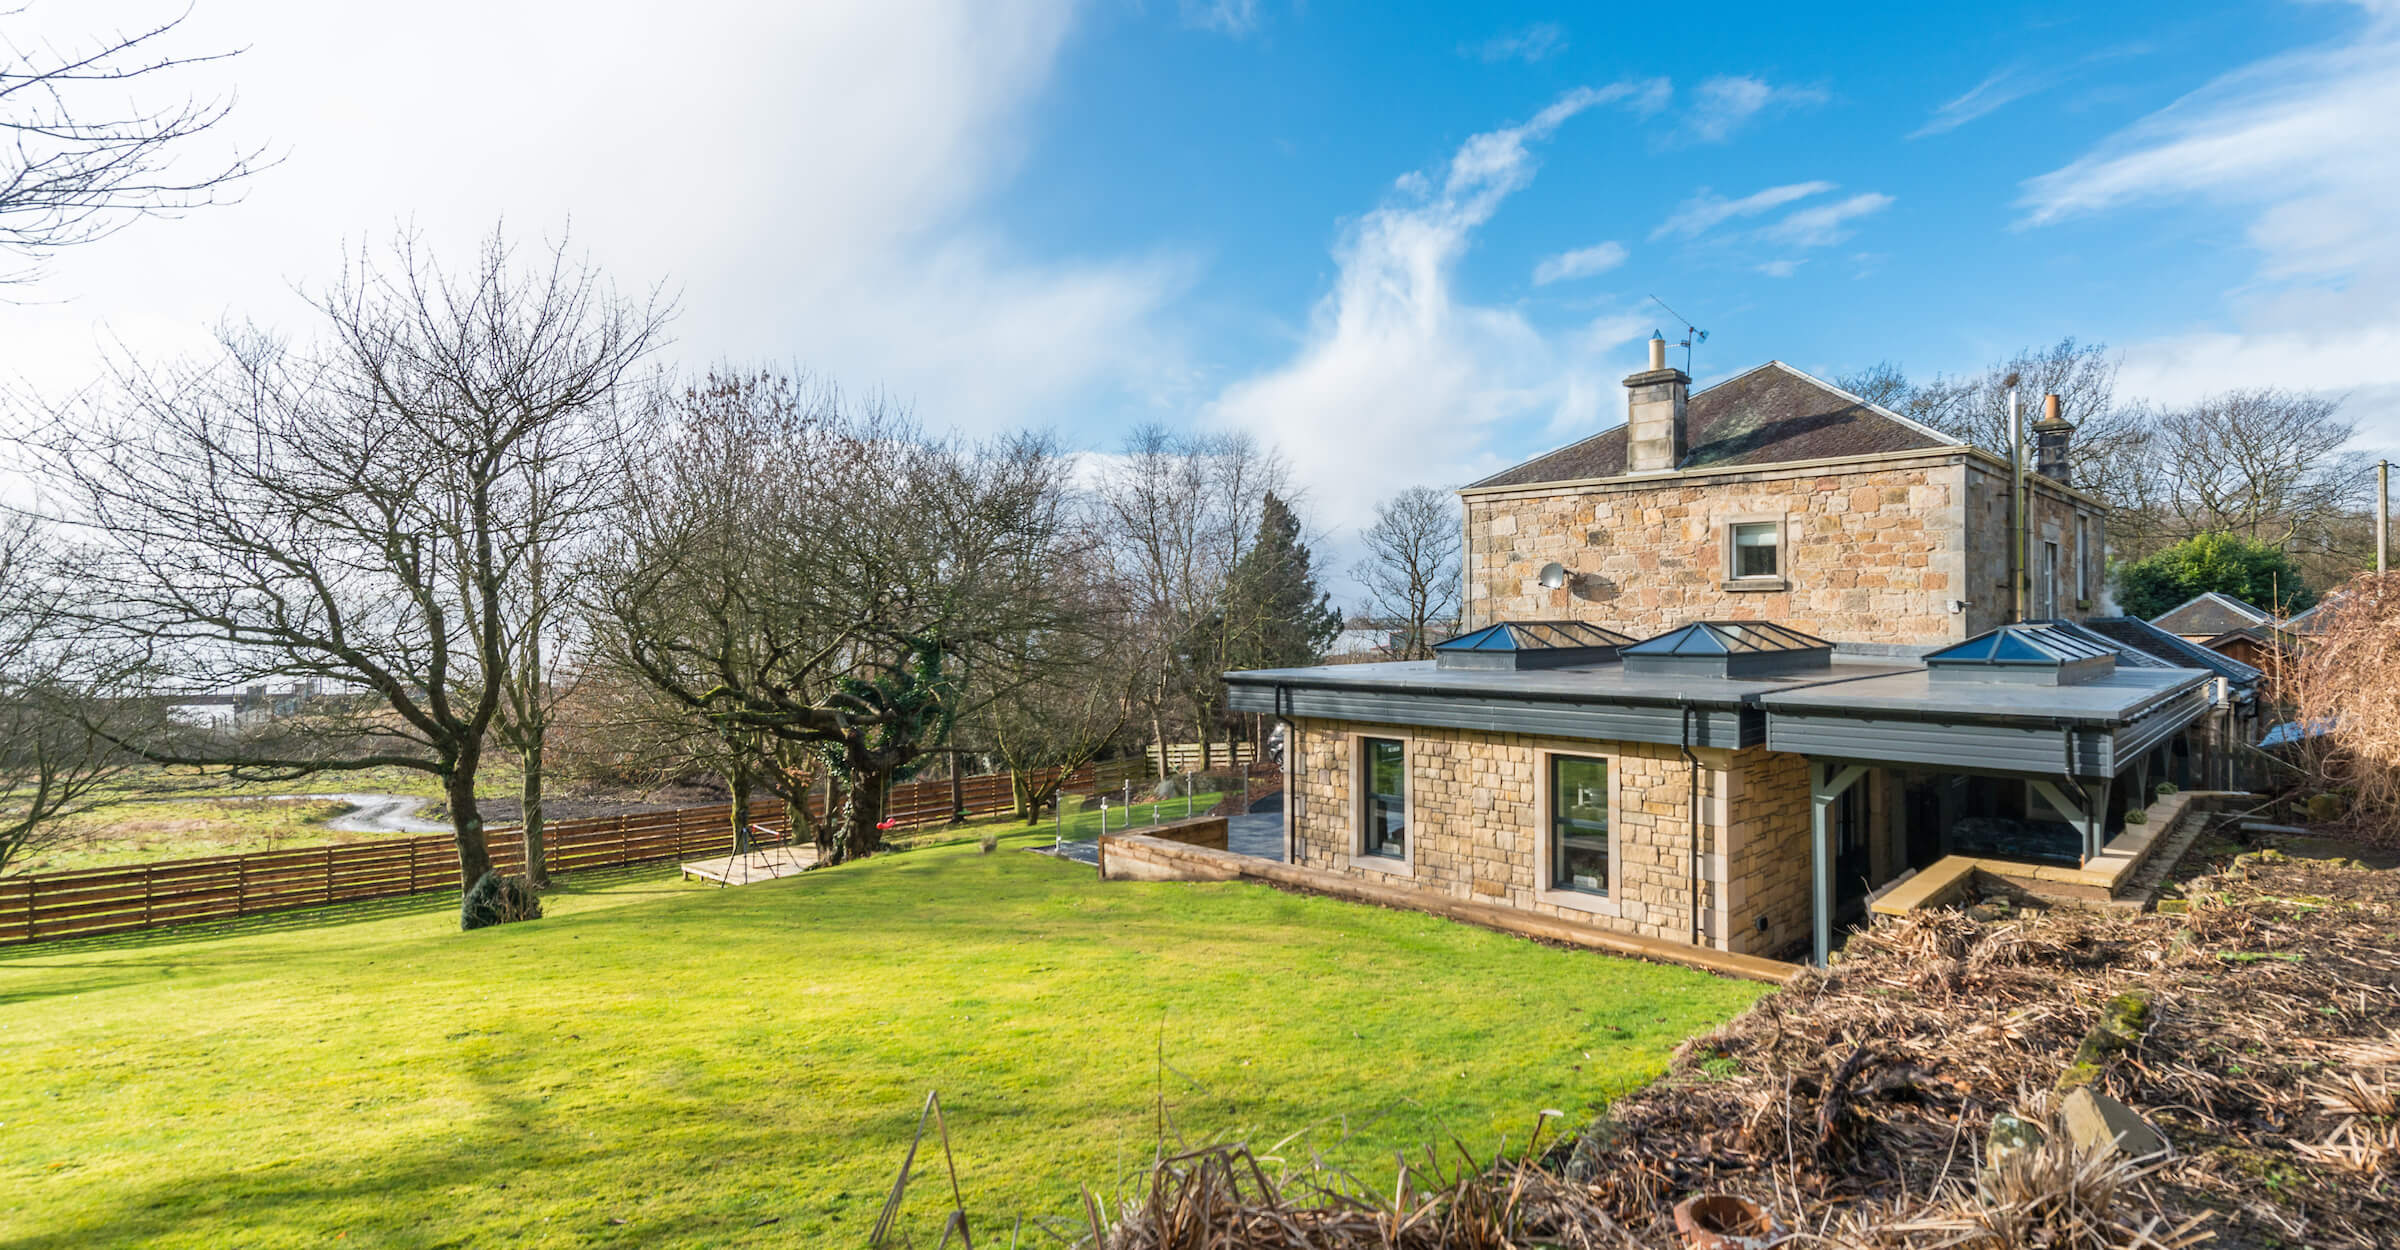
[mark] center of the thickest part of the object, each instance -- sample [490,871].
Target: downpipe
[1692,762]
[1291,797]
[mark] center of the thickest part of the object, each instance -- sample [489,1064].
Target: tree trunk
[866,812]
[1020,793]
[958,793]
[466,823]
[1201,726]
[537,859]
[737,784]
[1158,735]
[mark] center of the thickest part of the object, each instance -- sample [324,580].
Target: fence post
[329,872]
[620,839]
[241,884]
[149,887]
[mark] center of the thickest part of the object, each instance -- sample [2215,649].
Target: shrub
[2256,573]
[2137,817]
[2166,788]
[498,900]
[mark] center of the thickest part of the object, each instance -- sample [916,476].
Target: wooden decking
[766,865]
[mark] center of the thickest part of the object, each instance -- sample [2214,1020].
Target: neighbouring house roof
[2135,636]
[2209,613]
[1771,415]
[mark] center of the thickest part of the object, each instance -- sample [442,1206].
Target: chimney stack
[1654,414]
[2050,435]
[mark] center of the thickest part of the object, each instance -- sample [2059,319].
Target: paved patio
[1257,834]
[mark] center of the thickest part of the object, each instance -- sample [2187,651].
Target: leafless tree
[827,576]
[356,514]
[2266,464]
[1411,569]
[2112,441]
[1078,690]
[61,700]
[81,159]
[1179,511]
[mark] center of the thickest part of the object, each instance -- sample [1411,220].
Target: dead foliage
[1853,1105]
[2344,678]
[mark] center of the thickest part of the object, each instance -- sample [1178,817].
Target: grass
[140,832]
[663,1064]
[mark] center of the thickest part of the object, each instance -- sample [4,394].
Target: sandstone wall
[1872,554]
[2054,520]
[1475,829]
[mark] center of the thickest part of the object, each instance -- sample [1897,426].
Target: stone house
[1735,666]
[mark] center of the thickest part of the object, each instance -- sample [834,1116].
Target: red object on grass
[888,823]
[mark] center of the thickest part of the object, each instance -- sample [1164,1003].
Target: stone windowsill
[1578,900]
[1384,864]
[1742,584]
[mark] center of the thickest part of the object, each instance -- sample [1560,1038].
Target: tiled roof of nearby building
[2209,613]
[2137,635]
[1771,415]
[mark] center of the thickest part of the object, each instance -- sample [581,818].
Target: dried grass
[1853,1105]
[2346,677]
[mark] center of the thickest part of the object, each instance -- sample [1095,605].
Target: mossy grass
[662,1063]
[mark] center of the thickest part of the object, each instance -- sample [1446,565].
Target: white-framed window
[1380,809]
[2049,580]
[2083,558]
[1577,865]
[1578,837]
[1754,554]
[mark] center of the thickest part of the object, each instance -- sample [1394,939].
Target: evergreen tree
[2257,573]
[1278,616]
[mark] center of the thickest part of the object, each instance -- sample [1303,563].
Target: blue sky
[1406,243]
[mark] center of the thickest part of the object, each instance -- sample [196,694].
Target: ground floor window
[1579,824]
[1384,774]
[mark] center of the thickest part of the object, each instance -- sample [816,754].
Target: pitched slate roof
[2136,635]
[1771,415]
[2209,613]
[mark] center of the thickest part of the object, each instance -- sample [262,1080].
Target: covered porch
[2023,747]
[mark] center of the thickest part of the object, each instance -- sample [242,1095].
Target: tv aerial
[1692,334]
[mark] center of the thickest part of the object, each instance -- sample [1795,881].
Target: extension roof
[2036,651]
[1773,414]
[2208,614]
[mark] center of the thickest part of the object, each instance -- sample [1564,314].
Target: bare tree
[790,567]
[2266,464]
[82,161]
[1411,569]
[1078,692]
[1179,512]
[354,515]
[61,700]
[2112,441]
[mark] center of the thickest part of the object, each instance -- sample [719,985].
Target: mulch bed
[1854,1104]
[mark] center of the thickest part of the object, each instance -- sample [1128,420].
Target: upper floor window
[1756,549]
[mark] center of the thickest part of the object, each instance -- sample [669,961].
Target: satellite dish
[1553,575]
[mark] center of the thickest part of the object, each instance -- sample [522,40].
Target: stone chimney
[2050,435]
[1654,414]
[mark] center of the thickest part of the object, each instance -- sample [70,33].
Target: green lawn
[665,1064]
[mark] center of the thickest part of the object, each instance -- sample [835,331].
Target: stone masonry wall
[1873,553]
[1475,833]
[2054,515]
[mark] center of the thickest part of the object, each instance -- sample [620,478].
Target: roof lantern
[1517,646]
[1728,649]
[2037,653]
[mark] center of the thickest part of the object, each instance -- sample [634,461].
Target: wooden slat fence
[91,901]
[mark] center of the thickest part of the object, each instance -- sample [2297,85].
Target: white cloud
[1529,44]
[1781,268]
[1825,224]
[1398,381]
[1583,262]
[2307,145]
[1226,17]
[1727,102]
[1706,210]
[2004,87]
[841,226]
